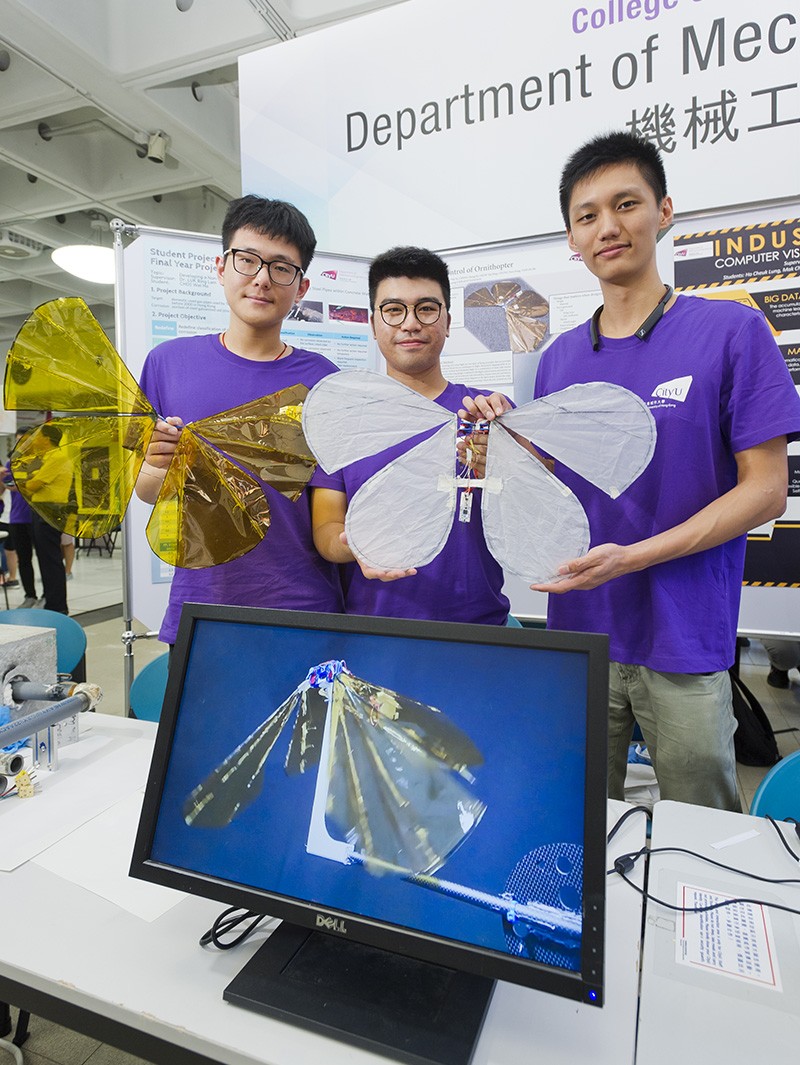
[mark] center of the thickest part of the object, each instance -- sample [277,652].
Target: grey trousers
[688,724]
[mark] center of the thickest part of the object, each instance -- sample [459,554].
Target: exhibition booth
[424,804]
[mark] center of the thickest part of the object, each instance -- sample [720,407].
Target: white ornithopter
[402,516]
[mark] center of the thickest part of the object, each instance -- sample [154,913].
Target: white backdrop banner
[447,122]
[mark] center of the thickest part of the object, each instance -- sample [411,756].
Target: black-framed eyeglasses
[248,263]
[427,312]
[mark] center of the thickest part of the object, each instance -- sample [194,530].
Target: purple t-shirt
[716,384]
[195,377]
[19,512]
[463,582]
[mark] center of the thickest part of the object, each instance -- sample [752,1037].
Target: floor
[95,598]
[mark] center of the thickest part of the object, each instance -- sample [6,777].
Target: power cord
[774,824]
[625,863]
[229,920]
[628,813]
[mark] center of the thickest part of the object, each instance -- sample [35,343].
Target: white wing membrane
[355,413]
[603,432]
[401,517]
[533,523]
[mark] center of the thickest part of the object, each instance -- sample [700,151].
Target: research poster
[755,260]
[508,301]
[333,316]
[182,296]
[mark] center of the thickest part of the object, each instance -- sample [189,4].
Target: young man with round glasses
[409,293]
[268,246]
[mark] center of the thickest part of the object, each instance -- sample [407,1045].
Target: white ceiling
[83,85]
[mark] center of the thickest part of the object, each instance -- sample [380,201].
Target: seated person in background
[784,655]
[267,247]
[409,292]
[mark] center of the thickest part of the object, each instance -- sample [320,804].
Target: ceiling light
[15,246]
[87,261]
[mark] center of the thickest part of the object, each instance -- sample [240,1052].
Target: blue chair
[778,794]
[147,690]
[70,637]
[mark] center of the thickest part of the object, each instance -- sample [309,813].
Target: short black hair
[608,150]
[51,432]
[409,262]
[272,218]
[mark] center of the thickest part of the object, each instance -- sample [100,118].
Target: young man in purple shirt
[410,298]
[664,572]
[267,248]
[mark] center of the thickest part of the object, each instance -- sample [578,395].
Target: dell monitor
[423,804]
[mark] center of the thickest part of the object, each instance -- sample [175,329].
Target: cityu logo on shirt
[329,273]
[677,389]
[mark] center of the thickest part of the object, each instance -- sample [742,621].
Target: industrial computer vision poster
[757,265]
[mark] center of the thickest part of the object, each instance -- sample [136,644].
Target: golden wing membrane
[266,437]
[209,510]
[91,474]
[62,360]
[79,472]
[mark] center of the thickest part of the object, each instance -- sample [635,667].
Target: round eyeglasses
[427,312]
[248,263]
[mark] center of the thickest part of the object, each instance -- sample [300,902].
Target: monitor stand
[414,1011]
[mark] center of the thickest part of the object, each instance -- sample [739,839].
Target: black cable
[626,862]
[628,813]
[636,855]
[226,922]
[727,868]
[781,836]
[702,909]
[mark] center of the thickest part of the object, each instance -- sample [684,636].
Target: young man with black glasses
[409,293]
[267,248]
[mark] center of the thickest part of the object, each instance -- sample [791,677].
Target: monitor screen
[436,790]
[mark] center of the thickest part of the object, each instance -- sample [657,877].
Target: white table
[691,1014]
[147,986]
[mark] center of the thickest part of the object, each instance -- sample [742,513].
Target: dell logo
[331,924]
